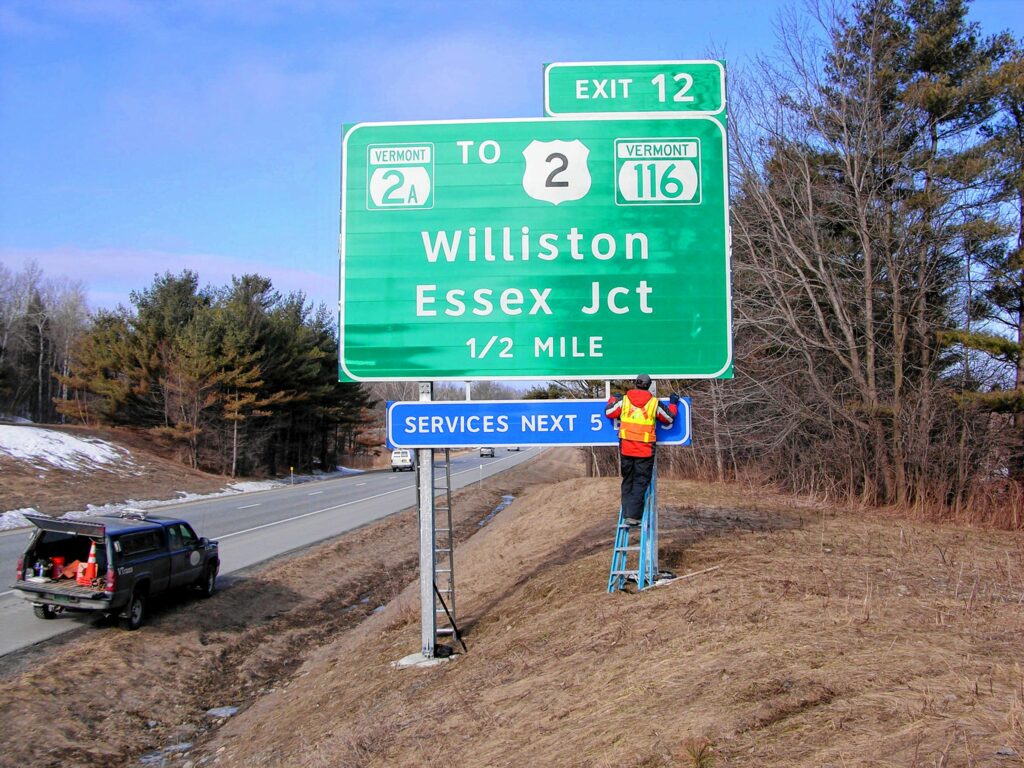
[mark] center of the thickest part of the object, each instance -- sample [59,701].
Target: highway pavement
[252,527]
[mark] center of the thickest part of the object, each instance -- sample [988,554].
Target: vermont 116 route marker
[535,248]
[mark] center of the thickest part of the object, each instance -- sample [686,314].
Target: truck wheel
[44,611]
[208,583]
[135,612]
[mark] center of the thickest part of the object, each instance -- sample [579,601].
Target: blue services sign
[470,424]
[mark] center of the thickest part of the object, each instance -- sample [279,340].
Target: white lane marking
[8,592]
[314,493]
[309,514]
[331,509]
[248,506]
[359,484]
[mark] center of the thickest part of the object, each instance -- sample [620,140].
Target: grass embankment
[820,638]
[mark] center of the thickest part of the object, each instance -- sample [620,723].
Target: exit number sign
[581,88]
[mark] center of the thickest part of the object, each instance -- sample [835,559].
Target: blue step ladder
[646,571]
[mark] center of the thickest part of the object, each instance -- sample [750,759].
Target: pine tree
[243,379]
[998,308]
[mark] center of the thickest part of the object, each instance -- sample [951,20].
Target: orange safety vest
[638,423]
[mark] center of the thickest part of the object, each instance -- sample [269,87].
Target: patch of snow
[505,501]
[248,486]
[221,712]
[46,446]
[15,518]
[160,757]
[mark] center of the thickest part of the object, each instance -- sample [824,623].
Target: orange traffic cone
[87,572]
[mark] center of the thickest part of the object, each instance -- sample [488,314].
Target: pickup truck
[137,559]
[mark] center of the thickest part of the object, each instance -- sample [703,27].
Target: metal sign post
[425,492]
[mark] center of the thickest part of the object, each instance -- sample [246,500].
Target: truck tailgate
[57,589]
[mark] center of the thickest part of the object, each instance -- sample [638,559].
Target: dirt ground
[807,637]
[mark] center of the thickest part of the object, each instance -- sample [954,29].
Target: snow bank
[45,448]
[15,518]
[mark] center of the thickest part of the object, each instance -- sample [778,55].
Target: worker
[638,413]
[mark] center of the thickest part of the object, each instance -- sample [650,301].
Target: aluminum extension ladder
[444,549]
[645,573]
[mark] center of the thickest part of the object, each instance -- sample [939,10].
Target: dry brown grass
[100,696]
[696,752]
[823,639]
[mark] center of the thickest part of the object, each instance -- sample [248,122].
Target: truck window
[182,537]
[188,536]
[140,543]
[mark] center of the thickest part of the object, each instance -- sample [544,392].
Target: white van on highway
[401,458]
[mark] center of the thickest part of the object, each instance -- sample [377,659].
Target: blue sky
[142,137]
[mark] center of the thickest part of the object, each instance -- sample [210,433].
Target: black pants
[636,476]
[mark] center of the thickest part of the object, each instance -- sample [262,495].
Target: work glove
[673,398]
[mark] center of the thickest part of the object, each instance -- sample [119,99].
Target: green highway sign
[535,249]
[681,87]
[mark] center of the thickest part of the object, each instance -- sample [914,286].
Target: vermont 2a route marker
[535,248]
